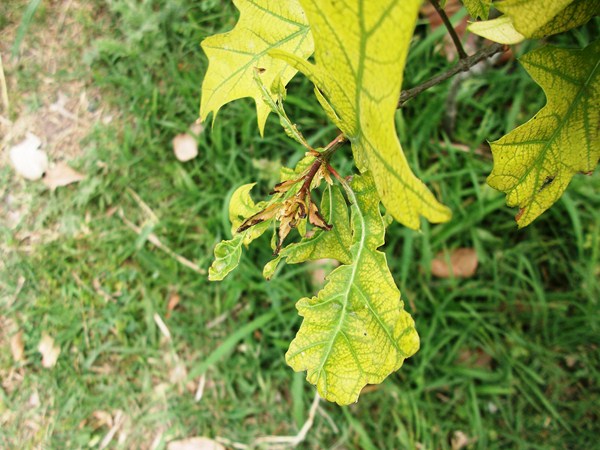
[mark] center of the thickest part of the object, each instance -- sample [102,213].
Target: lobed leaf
[535,19]
[235,56]
[227,257]
[499,30]
[360,52]
[574,15]
[356,330]
[528,16]
[478,8]
[534,163]
[229,252]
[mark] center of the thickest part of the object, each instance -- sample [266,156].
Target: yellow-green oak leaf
[535,163]
[356,331]
[235,56]
[229,252]
[528,16]
[535,19]
[478,8]
[360,53]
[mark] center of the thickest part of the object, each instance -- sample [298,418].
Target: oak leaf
[360,53]
[478,8]
[535,19]
[535,163]
[355,331]
[234,56]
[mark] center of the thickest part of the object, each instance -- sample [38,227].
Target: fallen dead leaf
[460,440]
[195,443]
[185,147]
[197,128]
[174,300]
[461,264]
[475,358]
[17,347]
[28,160]
[61,175]
[102,419]
[571,360]
[34,400]
[49,351]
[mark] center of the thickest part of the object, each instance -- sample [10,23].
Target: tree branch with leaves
[356,330]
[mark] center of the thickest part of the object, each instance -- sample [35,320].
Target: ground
[151,352]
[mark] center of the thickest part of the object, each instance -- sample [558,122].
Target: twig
[63,14]
[455,38]
[3,88]
[162,326]
[462,66]
[119,419]
[200,390]
[221,318]
[292,441]
[279,442]
[143,205]
[154,240]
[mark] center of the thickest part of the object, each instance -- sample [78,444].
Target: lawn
[151,351]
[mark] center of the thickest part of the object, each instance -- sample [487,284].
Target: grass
[509,357]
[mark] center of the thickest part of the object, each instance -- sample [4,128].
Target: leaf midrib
[346,294]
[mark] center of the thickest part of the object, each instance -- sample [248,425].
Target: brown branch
[308,178]
[463,66]
[455,38]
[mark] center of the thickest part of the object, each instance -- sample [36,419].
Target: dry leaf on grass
[474,358]
[34,400]
[185,147]
[197,128]
[462,263]
[49,351]
[173,301]
[17,347]
[195,443]
[28,160]
[102,419]
[461,440]
[61,175]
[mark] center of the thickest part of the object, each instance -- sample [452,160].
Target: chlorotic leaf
[227,258]
[360,52]
[528,16]
[499,30]
[229,252]
[478,8]
[534,163]
[241,206]
[356,330]
[235,56]
[511,28]
[573,16]
[333,244]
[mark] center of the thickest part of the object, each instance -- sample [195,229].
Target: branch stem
[305,189]
[455,38]
[463,66]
